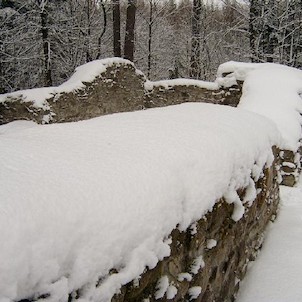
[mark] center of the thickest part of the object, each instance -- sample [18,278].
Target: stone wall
[213,255]
[166,94]
[290,166]
[120,88]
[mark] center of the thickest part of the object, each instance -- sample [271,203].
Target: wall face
[161,96]
[215,269]
[290,166]
[119,89]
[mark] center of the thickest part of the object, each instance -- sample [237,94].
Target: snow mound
[84,73]
[272,90]
[79,199]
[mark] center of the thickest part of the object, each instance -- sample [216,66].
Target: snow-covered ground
[276,275]
[78,199]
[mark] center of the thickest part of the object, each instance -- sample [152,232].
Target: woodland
[43,41]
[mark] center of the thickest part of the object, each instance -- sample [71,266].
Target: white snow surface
[168,84]
[272,90]
[84,73]
[276,276]
[194,292]
[197,265]
[238,71]
[161,287]
[78,199]
[211,243]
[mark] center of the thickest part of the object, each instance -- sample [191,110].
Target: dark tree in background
[275,31]
[195,71]
[129,35]
[43,41]
[116,21]
[44,7]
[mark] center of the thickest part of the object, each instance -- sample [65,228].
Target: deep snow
[78,199]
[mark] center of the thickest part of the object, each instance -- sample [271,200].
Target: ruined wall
[208,260]
[290,166]
[120,88]
[164,93]
[212,256]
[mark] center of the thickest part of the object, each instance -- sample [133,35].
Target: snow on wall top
[78,199]
[84,73]
[230,72]
[167,84]
[272,90]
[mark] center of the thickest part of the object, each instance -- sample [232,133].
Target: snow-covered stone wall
[114,85]
[96,88]
[273,91]
[208,260]
[155,205]
[173,92]
[108,86]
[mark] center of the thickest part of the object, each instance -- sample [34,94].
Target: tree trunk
[195,70]
[252,30]
[88,34]
[129,35]
[46,45]
[116,28]
[150,37]
[104,29]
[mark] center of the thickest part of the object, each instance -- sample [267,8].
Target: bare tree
[103,7]
[43,5]
[129,35]
[116,17]
[195,71]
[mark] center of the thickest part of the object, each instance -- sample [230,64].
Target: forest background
[43,41]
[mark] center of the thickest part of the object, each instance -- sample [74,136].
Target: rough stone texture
[290,166]
[118,89]
[14,109]
[177,94]
[226,263]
